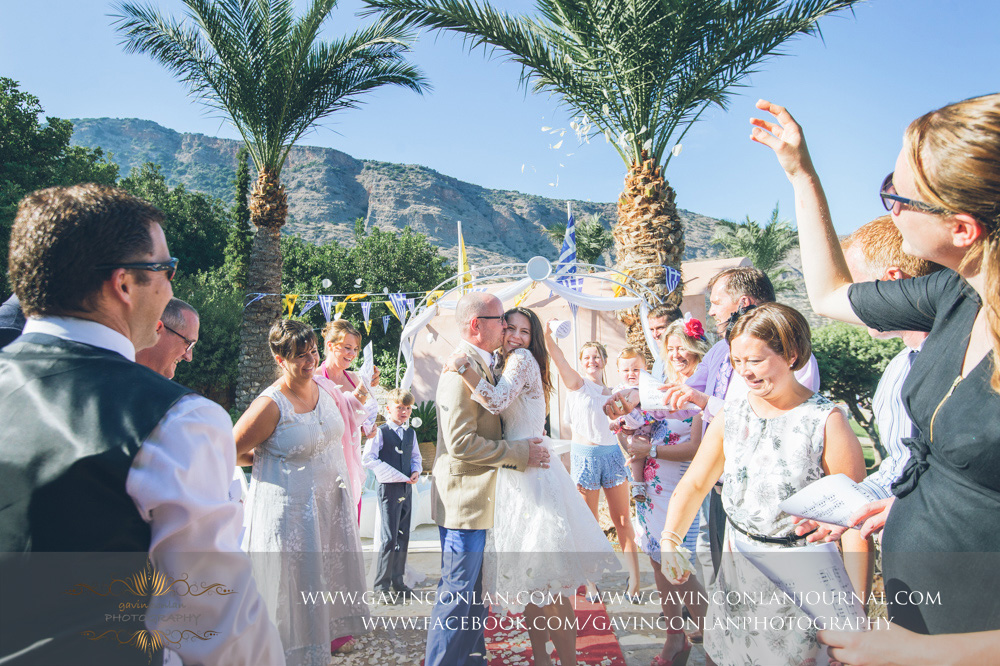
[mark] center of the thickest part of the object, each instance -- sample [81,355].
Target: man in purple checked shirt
[732,292]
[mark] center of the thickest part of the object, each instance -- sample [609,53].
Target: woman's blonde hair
[697,346]
[594,344]
[336,331]
[954,153]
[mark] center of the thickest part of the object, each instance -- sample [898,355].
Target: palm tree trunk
[268,212]
[648,236]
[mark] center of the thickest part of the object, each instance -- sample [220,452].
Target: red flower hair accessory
[694,329]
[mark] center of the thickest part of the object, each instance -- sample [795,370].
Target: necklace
[295,393]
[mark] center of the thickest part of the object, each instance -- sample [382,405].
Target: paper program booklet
[831,499]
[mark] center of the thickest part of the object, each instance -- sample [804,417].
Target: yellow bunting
[620,288]
[524,295]
[355,297]
[433,296]
[339,309]
[289,302]
[388,304]
[368,327]
[463,261]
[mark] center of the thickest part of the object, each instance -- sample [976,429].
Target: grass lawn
[866,444]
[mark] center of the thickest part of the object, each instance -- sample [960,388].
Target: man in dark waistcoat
[394,456]
[117,537]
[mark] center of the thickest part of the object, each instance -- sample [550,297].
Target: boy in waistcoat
[394,456]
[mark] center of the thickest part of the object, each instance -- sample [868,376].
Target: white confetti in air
[643,130]
[676,150]
[416,422]
[326,283]
[573,126]
[557,146]
[358,281]
[605,110]
[399,450]
[546,128]
[522,168]
[647,144]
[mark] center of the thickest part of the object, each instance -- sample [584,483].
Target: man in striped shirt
[875,252]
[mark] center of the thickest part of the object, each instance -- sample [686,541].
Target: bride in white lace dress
[545,541]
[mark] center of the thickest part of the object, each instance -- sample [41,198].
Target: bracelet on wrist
[677,536]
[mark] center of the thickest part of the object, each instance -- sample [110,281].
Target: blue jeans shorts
[593,467]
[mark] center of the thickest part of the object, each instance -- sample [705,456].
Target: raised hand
[456,361]
[784,137]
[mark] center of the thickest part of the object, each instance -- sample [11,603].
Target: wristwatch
[652,451]
[465,366]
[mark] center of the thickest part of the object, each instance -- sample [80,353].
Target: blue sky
[854,92]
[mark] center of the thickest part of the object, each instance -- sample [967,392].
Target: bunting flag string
[366,312]
[325,303]
[307,306]
[411,304]
[289,302]
[398,302]
[368,327]
[385,323]
[339,310]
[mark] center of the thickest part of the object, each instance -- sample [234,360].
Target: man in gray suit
[469,451]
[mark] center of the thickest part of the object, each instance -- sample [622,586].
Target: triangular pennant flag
[307,306]
[289,302]
[411,303]
[433,296]
[368,327]
[620,287]
[325,303]
[673,278]
[463,261]
[366,311]
[391,308]
[523,295]
[339,310]
[398,301]
[385,323]
[256,297]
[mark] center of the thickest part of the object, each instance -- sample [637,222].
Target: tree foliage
[34,155]
[399,262]
[240,238]
[851,362]
[765,246]
[196,224]
[593,239]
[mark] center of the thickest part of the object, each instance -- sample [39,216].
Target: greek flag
[566,266]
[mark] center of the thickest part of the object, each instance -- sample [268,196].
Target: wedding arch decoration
[537,271]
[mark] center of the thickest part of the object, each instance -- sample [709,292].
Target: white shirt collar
[485,355]
[82,330]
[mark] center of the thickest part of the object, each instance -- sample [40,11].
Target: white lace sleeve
[515,379]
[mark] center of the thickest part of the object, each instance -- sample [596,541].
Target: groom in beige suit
[469,451]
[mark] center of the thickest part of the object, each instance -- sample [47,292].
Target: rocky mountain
[328,190]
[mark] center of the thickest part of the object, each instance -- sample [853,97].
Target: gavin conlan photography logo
[155,599]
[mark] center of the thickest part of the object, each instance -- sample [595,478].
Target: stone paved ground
[394,643]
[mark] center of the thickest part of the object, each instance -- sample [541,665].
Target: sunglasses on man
[168,267]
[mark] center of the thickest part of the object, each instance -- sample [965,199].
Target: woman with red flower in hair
[673,445]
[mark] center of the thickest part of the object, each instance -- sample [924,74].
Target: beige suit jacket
[469,451]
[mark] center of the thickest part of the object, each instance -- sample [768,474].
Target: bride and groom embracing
[511,523]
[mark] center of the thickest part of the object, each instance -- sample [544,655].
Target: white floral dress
[302,533]
[767,461]
[545,541]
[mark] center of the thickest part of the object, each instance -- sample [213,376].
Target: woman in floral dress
[767,446]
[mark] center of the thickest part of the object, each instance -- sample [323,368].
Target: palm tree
[765,246]
[269,74]
[640,72]
[592,238]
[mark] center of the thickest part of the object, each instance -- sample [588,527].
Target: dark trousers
[716,527]
[394,504]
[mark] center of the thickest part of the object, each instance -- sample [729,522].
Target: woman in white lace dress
[766,446]
[545,542]
[302,532]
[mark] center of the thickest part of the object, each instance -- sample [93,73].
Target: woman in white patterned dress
[767,446]
[302,533]
[545,542]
